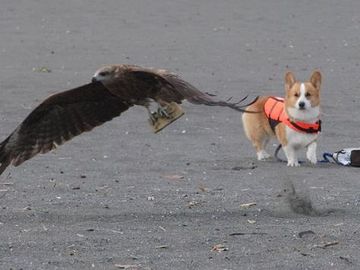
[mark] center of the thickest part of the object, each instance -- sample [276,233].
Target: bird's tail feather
[238,106]
[195,96]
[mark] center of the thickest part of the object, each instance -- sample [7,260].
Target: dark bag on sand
[346,156]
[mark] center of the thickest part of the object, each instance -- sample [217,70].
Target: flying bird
[113,90]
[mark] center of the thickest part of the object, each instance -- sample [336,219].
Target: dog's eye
[296,95]
[307,94]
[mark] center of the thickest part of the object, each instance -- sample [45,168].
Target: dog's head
[302,99]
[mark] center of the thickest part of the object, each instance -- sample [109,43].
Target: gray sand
[164,201]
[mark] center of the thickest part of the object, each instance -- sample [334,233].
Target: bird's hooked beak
[94,79]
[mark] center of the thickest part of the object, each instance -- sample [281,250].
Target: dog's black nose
[93,79]
[301,104]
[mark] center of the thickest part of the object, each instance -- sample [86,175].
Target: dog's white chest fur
[298,139]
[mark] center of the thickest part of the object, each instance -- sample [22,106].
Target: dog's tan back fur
[257,127]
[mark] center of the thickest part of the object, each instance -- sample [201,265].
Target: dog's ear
[289,80]
[316,79]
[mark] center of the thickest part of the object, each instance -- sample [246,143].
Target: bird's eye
[307,94]
[104,73]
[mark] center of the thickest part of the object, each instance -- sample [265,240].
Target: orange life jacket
[275,111]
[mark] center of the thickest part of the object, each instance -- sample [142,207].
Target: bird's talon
[153,117]
[163,113]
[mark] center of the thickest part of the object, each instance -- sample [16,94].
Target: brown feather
[183,90]
[58,119]
[138,85]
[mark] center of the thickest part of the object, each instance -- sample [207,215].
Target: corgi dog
[293,120]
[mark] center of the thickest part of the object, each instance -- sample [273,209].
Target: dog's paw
[262,155]
[312,159]
[293,164]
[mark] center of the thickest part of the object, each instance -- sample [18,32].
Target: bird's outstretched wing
[58,119]
[173,88]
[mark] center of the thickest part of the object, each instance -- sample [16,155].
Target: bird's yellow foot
[153,118]
[162,111]
[165,116]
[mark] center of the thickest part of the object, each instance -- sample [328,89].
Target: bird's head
[105,73]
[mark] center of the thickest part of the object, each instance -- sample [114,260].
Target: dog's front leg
[291,156]
[311,152]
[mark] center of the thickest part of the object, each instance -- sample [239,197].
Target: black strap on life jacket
[307,130]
